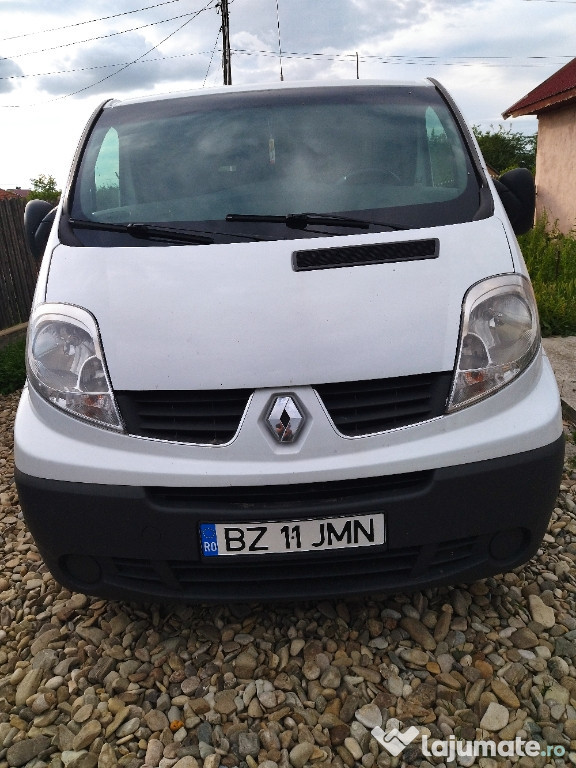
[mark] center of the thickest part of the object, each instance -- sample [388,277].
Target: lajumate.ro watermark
[395,741]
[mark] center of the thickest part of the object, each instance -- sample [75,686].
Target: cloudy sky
[60,60]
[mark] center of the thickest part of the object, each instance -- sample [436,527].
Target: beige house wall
[556,167]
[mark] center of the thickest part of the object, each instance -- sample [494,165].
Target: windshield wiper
[145,231]
[302,220]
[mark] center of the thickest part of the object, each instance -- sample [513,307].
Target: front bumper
[446,525]
[51,444]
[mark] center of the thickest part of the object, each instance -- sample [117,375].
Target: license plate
[278,538]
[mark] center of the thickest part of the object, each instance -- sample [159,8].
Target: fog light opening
[82,568]
[509,545]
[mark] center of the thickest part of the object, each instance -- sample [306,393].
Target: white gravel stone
[370,716]
[107,757]
[28,686]
[495,718]
[300,753]
[186,762]
[540,612]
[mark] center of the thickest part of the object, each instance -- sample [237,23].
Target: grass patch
[551,260]
[12,367]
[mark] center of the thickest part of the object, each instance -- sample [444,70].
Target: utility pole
[226,57]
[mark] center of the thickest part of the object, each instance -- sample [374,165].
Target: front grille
[362,255]
[365,407]
[212,417]
[206,417]
[339,573]
[340,497]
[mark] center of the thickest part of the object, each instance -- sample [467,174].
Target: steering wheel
[369,176]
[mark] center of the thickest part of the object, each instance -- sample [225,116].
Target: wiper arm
[301,220]
[145,231]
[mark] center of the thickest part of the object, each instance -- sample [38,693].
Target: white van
[284,345]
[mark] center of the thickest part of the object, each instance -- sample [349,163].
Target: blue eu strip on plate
[209,540]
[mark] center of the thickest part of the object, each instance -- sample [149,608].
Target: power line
[462,61]
[138,58]
[211,57]
[108,66]
[431,61]
[169,2]
[210,4]
[98,37]
[408,59]
[89,21]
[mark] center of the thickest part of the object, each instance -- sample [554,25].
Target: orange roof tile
[6,195]
[558,88]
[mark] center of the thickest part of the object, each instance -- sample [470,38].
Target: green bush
[551,260]
[12,367]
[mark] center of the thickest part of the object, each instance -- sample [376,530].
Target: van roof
[260,87]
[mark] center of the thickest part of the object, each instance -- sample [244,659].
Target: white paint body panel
[238,315]
[204,317]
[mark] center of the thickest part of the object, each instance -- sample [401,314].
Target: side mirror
[518,194]
[38,218]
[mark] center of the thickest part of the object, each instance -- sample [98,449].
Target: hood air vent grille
[362,255]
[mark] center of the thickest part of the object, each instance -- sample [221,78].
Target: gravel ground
[87,682]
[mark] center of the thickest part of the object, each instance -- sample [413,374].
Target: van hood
[227,316]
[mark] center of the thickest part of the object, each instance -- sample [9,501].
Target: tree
[504,148]
[44,188]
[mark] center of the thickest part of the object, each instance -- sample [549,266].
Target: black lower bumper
[449,525]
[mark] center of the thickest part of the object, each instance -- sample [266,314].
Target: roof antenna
[279,43]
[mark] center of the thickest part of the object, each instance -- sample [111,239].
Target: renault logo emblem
[285,419]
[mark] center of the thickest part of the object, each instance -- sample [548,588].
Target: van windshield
[243,164]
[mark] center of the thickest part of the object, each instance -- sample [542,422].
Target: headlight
[66,365]
[499,337]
